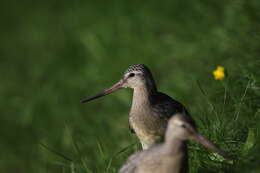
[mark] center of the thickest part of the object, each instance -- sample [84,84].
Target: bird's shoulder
[165,106]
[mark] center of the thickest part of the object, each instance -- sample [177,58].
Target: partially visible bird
[172,155]
[150,110]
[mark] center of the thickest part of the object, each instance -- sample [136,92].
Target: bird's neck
[142,96]
[177,152]
[176,146]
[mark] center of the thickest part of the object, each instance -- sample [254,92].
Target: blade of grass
[77,150]
[207,98]
[237,112]
[124,149]
[100,148]
[118,153]
[55,152]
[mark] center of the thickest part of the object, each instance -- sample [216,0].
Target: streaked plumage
[150,110]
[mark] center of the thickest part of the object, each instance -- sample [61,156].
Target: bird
[150,109]
[171,156]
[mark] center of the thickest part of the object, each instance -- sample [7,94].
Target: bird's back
[164,106]
[156,160]
[135,161]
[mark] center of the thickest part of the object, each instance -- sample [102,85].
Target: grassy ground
[54,53]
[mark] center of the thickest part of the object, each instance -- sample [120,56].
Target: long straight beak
[115,87]
[199,138]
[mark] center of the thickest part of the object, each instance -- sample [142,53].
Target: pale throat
[140,96]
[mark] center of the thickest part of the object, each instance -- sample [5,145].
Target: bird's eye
[131,75]
[183,125]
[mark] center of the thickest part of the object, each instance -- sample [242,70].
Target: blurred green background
[53,53]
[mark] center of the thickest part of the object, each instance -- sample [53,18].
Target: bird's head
[138,75]
[135,76]
[182,127]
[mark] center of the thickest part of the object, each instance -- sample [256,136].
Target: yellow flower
[219,73]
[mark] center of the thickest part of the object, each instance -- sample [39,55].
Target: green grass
[53,53]
[228,118]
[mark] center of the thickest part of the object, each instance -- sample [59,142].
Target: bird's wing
[164,106]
